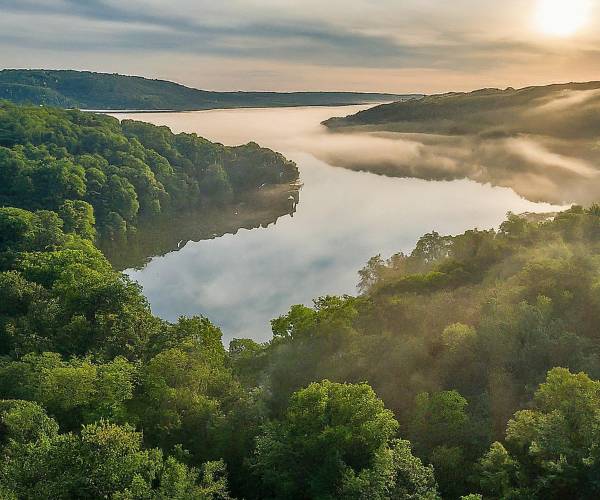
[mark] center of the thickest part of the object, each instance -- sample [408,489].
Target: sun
[562,17]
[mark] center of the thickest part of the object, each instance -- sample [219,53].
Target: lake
[242,278]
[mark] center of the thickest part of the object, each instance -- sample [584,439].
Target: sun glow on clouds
[562,17]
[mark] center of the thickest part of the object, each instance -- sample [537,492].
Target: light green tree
[336,441]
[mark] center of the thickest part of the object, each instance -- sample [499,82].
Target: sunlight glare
[562,17]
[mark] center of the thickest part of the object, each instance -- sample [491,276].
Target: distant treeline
[102,91]
[560,110]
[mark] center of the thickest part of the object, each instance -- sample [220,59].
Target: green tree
[552,448]
[498,473]
[334,441]
[103,461]
[73,392]
[183,396]
[23,422]
[439,419]
[56,181]
[21,230]
[413,481]
[216,183]
[78,217]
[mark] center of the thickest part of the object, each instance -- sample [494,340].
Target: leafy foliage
[553,447]
[335,441]
[455,347]
[456,337]
[89,167]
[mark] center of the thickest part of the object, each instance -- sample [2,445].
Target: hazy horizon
[357,45]
[369,91]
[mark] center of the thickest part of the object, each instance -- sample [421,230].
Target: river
[244,279]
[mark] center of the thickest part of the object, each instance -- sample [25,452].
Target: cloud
[531,151]
[472,38]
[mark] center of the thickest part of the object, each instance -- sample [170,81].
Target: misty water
[243,280]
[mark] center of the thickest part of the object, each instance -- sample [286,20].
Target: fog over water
[541,141]
[241,281]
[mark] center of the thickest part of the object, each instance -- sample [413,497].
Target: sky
[283,45]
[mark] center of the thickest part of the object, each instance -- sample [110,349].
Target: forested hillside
[560,110]
[485,346]
[87,90]
[469,367]
[540,141]
[88,166]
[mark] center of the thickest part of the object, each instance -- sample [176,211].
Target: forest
[88,90]
[90,167]
[466,369]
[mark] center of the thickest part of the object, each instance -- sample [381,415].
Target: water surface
[243,280]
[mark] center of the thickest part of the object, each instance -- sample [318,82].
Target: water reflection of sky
[344,217]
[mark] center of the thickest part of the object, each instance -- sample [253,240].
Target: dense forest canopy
[467,369]
[87,90]
[71,162]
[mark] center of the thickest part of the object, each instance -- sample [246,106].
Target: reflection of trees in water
[538,168]
[171,232]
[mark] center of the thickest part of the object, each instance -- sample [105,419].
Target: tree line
[89,90]
[71,162]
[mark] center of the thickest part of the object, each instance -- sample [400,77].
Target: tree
[553,449]
[24,421]
[78,217]
[458,336]
[122,197]
[21,230]
[73,392]
[431,248]
[103,461]
[16,228]
[183,397]
[498,473]
[56,181]
[439,419]
[195,333]
[216,183]
[335,441]
[442,433]
[371,273]
[414,481]
[51,157]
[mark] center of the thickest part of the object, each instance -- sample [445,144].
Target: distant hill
[560,110]
[87,90]
[543,142]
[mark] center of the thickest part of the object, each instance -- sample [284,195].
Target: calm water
[241,281]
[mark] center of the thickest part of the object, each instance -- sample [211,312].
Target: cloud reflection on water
[242,281]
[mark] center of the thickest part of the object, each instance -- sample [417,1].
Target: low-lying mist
[546,148]
[537,168]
